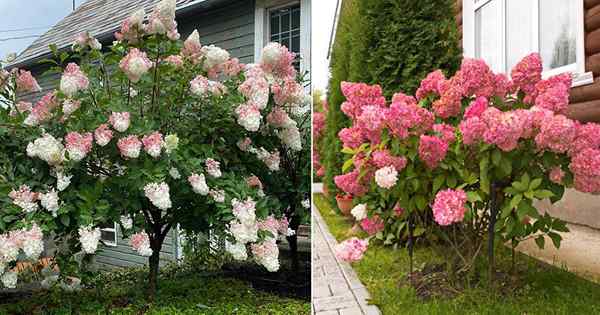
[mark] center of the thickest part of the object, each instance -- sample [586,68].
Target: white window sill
[580,79]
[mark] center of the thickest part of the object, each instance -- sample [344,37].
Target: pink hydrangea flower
[359,95]
[526,74]
[431,84]
[586,137]
[372,225]
[132,28]
[475,78]
[404,117]
[266,254]
[192,48]
[244,144]
[277,60]
[556,174]
[203,87]
[120,121]
[351,137]
[26,82]
[162,20]
[449,104]
[153,144]
[383,158]
[445,132]
[350,183]
[278,118]
[557,134]
[449,206]
[249,117]
[130,146]
[213,168]
[386,177]
[140,242]
[70,106]
[255,87]
[78,145]
[135,64]
[472,130]
[232,67]
[318,124]
[503,128]
[84,39]
[432,150]
[103,135]
[553,93]
[198,183]
[254,181]
[25,198]
[73,80]
[42,111]
[476,108]
[158,194]
[287,93]
[174,60]
[351,249]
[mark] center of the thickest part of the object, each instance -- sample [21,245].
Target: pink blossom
[432,150]
[318,124]
[135,64]
[586,137]
[26,82]
[70,106]
[557,134]
[129,146]
[351,249]
[277,60]
[103,135]
[153,144]
[192,48]
[203,87]
[431,84]
[359,95]
[449,104]
[25,198]
[213,168]
[556,174]
[372,225]
[84,39]
[254,181]
[119,121]
[174,60]
[350,183]
[398,211]
[23,107]
[502,85]
[503,128]
[42,111]
[586,162]
[270,224]
[351,137]
[278,118]
[266,254]
[78,145]
[244,144]
[140,242]
[526,74]
[472,130]
[249,117]
[404,117]
[383,158]
[449,206]
[445,132]
[232,67]
[288,92]
[198,183]
[476,108]
[73,80]
[132,28]
[255,87]
[587,184]
[475,78]
[553,93]
[162,20]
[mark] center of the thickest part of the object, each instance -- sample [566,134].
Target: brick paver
[336,289]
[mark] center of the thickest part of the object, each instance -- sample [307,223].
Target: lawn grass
[545,290]
[184,293]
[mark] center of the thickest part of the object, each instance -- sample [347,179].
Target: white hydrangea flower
[48,149]
[217,195]
[126,222]
[237,250]
[244,233]
[306,203]
[62,181]
[198,183]
[291,138]
[33,248]
[171,143]
[174,173]
[386,177]
[359,212]
[214,56]
[9,280]
[89,238]
[158,193]
[49,201]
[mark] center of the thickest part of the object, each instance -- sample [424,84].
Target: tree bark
[153,263]
[293,240]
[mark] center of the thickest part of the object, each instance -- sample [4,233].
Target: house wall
[576,207]
[230,27]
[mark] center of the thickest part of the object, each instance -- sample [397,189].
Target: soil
[434,281]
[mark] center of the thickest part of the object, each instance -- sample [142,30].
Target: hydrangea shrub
[471,152]
[151,132]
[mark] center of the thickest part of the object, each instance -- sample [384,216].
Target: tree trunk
[153,263]
[293,240]
[492,230]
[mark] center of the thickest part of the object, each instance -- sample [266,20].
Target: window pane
[285,22]
[296,18]
[519,31]
[107,236]
[274,24]
[488,34]
[558,29]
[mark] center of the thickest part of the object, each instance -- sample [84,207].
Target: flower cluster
[449,206]
[141,244]
[351,249]
[135,64]
[73,80]
[89,238]
[158,193]
[198,183]
[29,240]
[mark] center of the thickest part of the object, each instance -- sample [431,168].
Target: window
[502,32]
[286,22]
[284,28]
[108,234]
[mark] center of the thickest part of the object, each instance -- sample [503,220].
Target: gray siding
[231,27]
[123,255]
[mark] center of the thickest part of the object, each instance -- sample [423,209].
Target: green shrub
[394,43]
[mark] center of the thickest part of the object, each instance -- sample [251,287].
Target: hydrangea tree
[469,154]
[152,133]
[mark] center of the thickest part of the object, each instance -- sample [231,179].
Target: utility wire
[24,29]
[17,37]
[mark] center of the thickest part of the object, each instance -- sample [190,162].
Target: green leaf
[451,181]
[496,157]
[520,187]
[347,165]
[421,202]
[419,231]
[543,193]
[525,180]
[556,238]
[65,219]
[348,150]
[484,181]
[514,202]
[9,218]
[540,241]
[506,166]
[535,184]
[438,181]
[473,196]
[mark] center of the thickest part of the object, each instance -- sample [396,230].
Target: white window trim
[261,28]
[580,76]
[108,242]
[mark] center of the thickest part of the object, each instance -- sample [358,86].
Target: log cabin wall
[576,207]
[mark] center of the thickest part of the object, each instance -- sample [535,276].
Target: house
[566,33]
[242,27]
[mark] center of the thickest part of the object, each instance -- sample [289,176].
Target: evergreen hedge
[393,43]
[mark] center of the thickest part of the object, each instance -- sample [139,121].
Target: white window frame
[262,27]
[580,76]
[110,243]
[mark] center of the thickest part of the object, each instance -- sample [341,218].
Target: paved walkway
[579,251]
[336,289]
